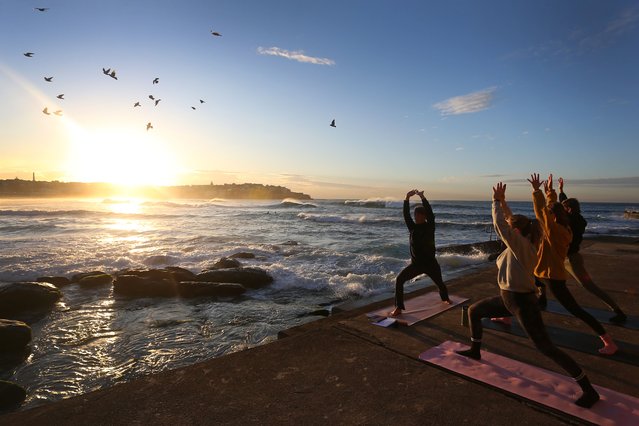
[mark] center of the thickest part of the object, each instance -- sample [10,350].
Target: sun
[121,157]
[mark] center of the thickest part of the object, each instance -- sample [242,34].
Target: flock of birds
[112,73]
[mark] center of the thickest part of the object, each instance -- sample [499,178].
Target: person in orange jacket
[552,252]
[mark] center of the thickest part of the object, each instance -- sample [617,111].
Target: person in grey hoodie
[518,293]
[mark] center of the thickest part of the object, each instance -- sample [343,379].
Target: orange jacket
[554,246]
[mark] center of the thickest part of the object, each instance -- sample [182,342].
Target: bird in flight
[193,108]
[148,126]
[60,96]
[333,123]
[49,79]
[28,54]
[216,34]
[137,104]
[157,101]
[40,9]
[112,75]
[156,80]
[58,113]
[46,111]
[201,101]
[151,97]
[106,71]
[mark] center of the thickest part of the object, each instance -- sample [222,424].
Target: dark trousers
[430,268]
[525,308]
[563,296]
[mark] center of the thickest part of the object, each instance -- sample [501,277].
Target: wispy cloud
[621,181]
[465,104]
[294,55]
[582,41]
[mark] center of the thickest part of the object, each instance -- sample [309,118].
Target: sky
[448,97]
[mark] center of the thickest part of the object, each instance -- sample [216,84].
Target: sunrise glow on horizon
[449,98]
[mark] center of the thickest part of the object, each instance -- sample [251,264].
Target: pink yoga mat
[419,308]
[536,384]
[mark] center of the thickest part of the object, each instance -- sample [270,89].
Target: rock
[16,298]
[144,286]
[248,277]
[14,335]
[11,395]
[77,277]
[209,289]
[226,263]
[242,255]
[56,281]
[318,312]
[95,280]
[180,274]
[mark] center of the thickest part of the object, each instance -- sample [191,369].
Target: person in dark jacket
[422,251]
[575,263]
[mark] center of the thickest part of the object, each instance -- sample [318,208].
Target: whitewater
[320,253]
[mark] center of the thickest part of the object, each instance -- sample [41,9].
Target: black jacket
[577,225]
[422,236]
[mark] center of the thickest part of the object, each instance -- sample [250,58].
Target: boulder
[14,335]
[11,395]
[16,298]
[144,286]
[95,280]
[77,277]
[226,263]
[56,281]
[180,274]
[242,255]
[248,277]
[209,289]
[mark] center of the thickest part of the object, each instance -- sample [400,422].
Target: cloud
[621,181]
[617,27]
[294,55]
[459,148]
[465,104]
[492,176]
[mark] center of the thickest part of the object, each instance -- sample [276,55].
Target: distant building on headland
[25,188]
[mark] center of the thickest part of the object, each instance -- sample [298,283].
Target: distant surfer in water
[422,251]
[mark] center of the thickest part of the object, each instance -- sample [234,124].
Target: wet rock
[318,312]
[11,395]
[96,280]
[16,298]
[180,274]
[242,255]
[159,260]
[248,277]
[144,286]
[14,335]
[290,243]
[209,289]
[56,281]
[77,277]
[225,263]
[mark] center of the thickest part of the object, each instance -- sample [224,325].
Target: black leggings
[563,296]
[525,308]
[431,269]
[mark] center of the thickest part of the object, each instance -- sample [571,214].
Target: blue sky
[443,96]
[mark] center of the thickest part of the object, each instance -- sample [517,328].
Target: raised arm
[562,196]
[539,202]
[512,239]
[430,216]
[407,217]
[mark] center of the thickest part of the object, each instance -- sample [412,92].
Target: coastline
[341,369]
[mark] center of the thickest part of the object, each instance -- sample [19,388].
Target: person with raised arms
[422,251]
[574,263]
[517,293]
[552,253]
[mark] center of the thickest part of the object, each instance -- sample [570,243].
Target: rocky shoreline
[24,303]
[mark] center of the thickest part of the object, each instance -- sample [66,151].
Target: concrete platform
[344,370]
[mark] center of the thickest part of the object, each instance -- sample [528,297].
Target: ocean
[320,252]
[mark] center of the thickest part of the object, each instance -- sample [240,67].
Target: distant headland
[12,188]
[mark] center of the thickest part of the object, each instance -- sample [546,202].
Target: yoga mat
[541,386]
[582,342]
[601,315]
[419,308]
